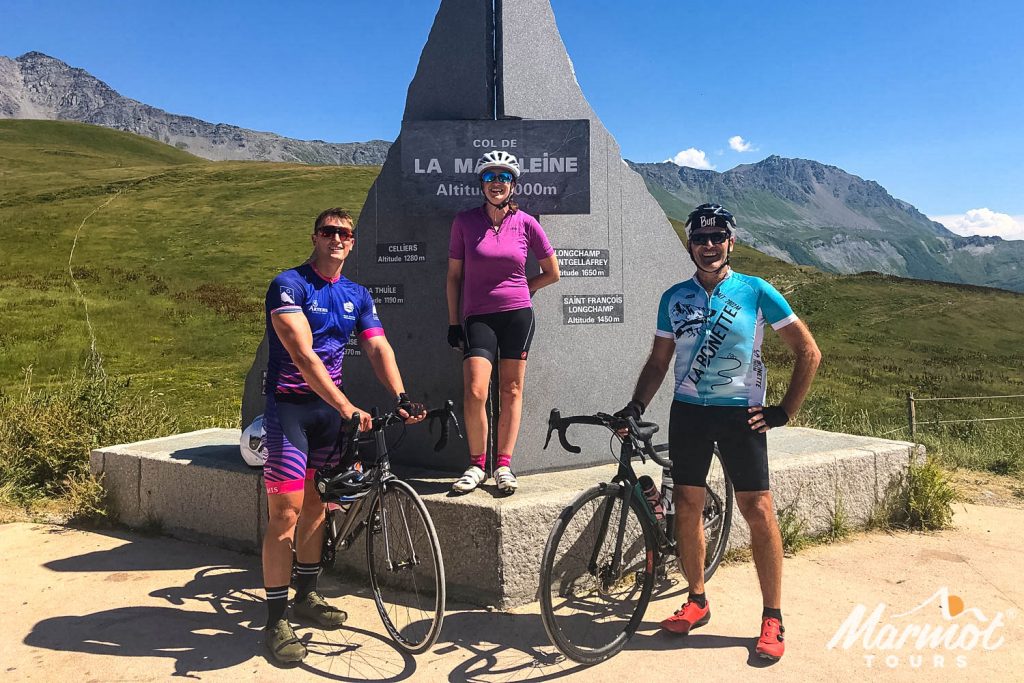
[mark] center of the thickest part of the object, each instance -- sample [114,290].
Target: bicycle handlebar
[639,433]
[348,439]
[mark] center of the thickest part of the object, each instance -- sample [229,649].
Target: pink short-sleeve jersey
[494,263]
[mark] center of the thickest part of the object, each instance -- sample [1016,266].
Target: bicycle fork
[393,564]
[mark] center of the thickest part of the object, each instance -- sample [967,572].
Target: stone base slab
[195,486]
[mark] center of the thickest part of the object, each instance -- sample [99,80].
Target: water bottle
[652,495]
[666,491]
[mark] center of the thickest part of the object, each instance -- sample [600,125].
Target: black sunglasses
[713,237]
[491,176]
[331,231]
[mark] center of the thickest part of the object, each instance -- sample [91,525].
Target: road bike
[609,548]
[403,555]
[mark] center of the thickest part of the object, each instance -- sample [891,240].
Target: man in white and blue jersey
[712,326]
[311,310]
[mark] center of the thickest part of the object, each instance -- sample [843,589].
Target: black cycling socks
[772,613]
[700,599]
[305,579]
[277,603]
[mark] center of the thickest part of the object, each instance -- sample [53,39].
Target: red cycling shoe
[771,644]
[691,615]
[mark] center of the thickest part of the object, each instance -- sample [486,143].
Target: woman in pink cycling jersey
[490,315]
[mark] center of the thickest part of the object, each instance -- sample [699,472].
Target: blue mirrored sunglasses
[492,176]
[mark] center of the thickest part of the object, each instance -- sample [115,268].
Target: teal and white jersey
[718,338]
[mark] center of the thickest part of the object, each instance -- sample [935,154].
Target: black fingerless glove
[774,416]
[413,409]
[456,337]
[634,409]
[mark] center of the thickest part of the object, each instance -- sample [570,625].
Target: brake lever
[638,446]
[553,419]
[448,415]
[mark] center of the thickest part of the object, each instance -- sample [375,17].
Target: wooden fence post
[912,416]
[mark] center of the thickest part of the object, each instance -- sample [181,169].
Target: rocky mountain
[37,86]
[809,213]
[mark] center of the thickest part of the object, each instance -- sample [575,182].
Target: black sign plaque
[401,252]
[439,160]
[384,295]
[592,309]
[583,262]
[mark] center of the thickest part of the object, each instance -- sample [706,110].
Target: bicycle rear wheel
[406,571]
[717,516]
[590,606]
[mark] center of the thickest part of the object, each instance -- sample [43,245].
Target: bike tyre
[592,502]
[426,591]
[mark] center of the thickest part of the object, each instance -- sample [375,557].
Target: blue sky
[927,98]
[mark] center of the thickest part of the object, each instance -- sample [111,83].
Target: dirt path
[119,606]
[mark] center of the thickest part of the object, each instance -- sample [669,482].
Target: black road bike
[608,549]
[403,556]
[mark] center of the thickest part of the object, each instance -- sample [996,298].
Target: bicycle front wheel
[406,571]
[597,574]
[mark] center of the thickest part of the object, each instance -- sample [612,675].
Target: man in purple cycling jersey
[311,311]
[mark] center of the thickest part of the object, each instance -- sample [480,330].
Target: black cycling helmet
[348,484]
[710,216]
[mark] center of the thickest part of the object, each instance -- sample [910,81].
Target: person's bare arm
[382,359]
[799,340]
[549,274]
[653,373]
[453,290]
[293,330]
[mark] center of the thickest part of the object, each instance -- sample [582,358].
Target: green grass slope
[173,256]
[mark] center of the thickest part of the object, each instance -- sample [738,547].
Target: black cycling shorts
[692,433]
[506,335]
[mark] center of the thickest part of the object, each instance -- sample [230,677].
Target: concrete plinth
[196,487]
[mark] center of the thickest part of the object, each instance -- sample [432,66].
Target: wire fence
[913,423]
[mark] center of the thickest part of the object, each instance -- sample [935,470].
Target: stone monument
[495,75]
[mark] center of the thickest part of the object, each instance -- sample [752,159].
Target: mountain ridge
[809,213]
[38,86]
[802,211]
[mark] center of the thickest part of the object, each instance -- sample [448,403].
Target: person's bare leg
[309,532]
[476,379]
[758,508]
[689,503]
[511,374]
[279,538]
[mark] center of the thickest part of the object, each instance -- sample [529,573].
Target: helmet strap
[507,201]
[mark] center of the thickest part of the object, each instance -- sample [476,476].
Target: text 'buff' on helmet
[498,158]
[710,216]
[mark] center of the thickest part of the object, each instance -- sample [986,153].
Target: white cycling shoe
[506,481]
[469,480]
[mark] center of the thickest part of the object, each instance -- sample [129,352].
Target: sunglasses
[331,231]
[713,237]
[493,176]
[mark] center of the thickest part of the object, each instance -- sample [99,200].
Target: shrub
[793,529]
[919,499]
[47,434]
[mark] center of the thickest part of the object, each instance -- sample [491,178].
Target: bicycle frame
[627,479]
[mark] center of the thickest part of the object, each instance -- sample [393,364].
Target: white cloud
[984,222]
[694,158]
[738,144]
